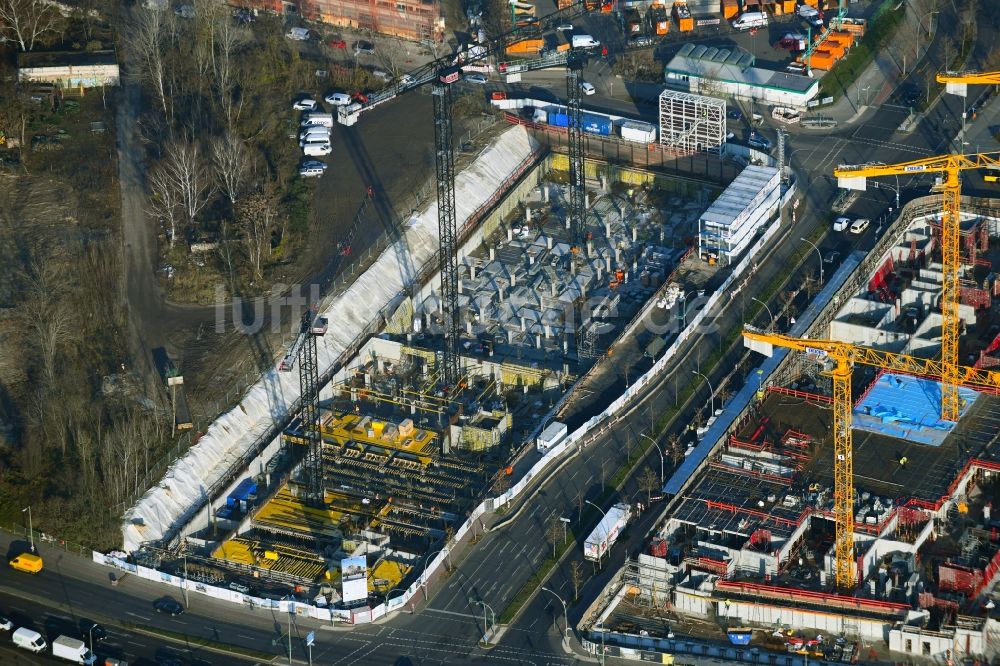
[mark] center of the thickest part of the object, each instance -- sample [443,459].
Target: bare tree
[47,314]
[232,165]
[147,40]
[576,577]
[27,20]
[185,172]
[227,40]
[676,448]
[648,482]
[164,203]
[553,532]
[257,216]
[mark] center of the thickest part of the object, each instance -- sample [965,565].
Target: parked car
[406,80]
[841,223]
[735,114]
[565,27]
[759,141]
[337,44]
[476,77]
[364,47]
[587,88]
[640,42]
[305,104]
[859,225]
[169,606]
[382,75]
[337,99]
[831,257]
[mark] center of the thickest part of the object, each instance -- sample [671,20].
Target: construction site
[843,511]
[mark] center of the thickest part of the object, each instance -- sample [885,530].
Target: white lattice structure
[692,122]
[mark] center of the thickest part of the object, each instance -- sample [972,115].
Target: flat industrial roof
[66,58]
[739,194]
[745,75]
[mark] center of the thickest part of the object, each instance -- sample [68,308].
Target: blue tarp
[908,408]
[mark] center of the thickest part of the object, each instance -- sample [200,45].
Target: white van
[314,137]
[841,223]
[338,99]
[748,20]
[317,149]
[29,640]
[324,119]
[859,225]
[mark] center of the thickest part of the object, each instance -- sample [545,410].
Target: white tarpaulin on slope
[181,492]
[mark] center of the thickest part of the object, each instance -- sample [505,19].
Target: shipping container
[558,119]
[633,130]
[685,22]
[730,8]
[822,60]
[595,123]
[526,47]
[842,37]
[633,23]
[836,49]
[553,434]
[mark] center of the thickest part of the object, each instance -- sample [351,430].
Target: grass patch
[201,642]
[879,32]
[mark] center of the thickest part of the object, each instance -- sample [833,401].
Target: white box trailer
[553,434]
[72,649]
[634,130]
[607,531]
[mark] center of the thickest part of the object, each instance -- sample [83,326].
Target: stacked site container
[730,8]
[822,60]
[844,37]
[408,19]
[682,14]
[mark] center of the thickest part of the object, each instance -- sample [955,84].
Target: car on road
[735,114]
[565,27]
[364,47]
[841,223]
[305,104]
[831,258]
[6,624]
[587,88]
[859,225]
[91,629]
[476,77]
[169,606]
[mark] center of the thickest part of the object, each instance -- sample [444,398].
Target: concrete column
[527,214]
[524,325]
[538,341]
[545,193]
[586,200]
[604,183]
[510,337]
[548,331]
[513,279]
[607,262]
[552,289]
[590,248]
[607,230]
[510,234]
[600,272]
[472,271]
[548,242]
[500,293]
[565,344]
[493,253]
[531,259]
[468,327]
[461,284]
[635,233]
[618,257]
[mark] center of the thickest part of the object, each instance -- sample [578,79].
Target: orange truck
[682,14]
[659,19]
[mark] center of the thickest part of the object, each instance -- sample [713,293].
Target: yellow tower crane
[853,177]
[957,83]
[844,356]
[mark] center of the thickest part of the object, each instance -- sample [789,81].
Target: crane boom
[957,83]
[844,355]
[853,177]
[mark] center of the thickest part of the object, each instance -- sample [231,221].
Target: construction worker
[902,461]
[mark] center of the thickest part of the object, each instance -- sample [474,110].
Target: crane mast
[444,162]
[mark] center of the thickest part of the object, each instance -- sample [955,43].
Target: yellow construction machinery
[843,356]
[854,177]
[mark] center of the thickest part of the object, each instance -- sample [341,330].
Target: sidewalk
[908,56]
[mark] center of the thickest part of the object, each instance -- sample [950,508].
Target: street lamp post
[658,450]
[487,627]
[684,308]
[769,313]
[712,390]
[600,555]
[565,522]
[565,611]
[90,633]
[423,580]
[820,254]
[290,609]
[920,23]
[31,531]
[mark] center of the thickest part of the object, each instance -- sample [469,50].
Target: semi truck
[607,532]
[72,649]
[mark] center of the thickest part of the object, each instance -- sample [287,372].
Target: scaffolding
[692,122]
